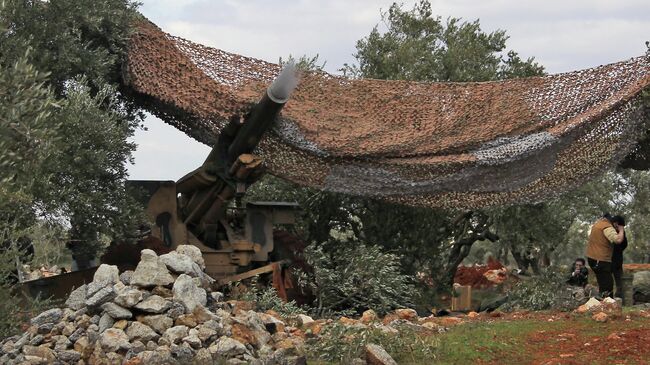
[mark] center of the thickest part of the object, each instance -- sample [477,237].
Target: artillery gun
[197,209]
[204,208]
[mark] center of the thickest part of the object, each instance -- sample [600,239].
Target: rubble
[166,312]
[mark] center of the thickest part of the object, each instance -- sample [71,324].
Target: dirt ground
[578,339]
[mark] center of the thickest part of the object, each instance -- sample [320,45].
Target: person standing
[617,256]
[600,247]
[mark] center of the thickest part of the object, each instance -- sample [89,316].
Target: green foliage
[354,277]
[65,126]
[304,62]
[420,46]
[265,298]
[539,292]
[341,344]
[69,38]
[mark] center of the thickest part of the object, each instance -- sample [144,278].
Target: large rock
[304,319]
[226,347]
[187,291]
[142,332]
[40,352]
[102,296]
[128,297]
[114,339]
[181,264]
[49,316]
[151,271]
[376,355]
[193,252]
[69,356]
[116,312]
[175,334]
[77,298]
[159,323]
[106,275]
[105,322]
[154,304]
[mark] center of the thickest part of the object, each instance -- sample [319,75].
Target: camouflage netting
[418,143]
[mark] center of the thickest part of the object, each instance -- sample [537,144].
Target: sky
[561,35]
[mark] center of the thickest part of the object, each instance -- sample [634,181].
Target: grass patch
[488,341]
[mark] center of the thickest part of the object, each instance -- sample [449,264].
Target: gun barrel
[262,115]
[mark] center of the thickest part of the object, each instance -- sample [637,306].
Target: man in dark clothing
[617,256]
[579,273]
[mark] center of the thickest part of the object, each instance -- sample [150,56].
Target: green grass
[493,341]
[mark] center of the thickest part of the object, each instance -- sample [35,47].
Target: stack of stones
[162,313]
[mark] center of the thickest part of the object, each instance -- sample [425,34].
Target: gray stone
[116,312]
[106,275]
[151,345]
[151,271]
[36,340]
[182,354]
[376,355]
[161,355]
[181,264]
[175,334]
[189,293]
[202,314]
[205,333]
[103,295]
[236,361]
[77,299]
[193,252]
[114,339]
[159,323]
[62,344]
[136,348]
[193,341]
[76,334]
[125,277]
[128,297]
[45,328]
[105,322]
[69,356]
[22,341]
[227,347]
[49,316]
[217,296]
[95,319]
[203,357]
[140,331]
[176,310]
[40,351]
[154,304]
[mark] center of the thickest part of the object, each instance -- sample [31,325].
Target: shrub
[352,277]
[265,298]
[544,291]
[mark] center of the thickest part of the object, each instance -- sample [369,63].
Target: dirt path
[576,339]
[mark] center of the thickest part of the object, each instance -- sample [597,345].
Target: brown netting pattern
[418,143]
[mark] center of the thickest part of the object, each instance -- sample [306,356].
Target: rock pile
[161,313]
[164,312]
[601,310]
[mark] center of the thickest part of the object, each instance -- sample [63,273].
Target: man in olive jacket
[602,238]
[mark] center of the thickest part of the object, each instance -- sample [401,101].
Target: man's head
[579,263]
[617,221]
